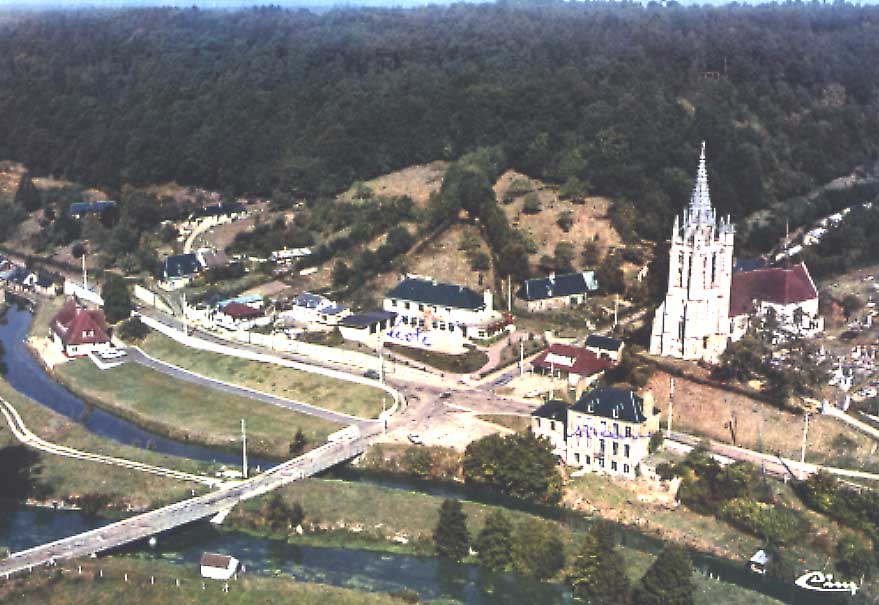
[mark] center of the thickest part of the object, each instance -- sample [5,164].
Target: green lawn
[466,363]
[187,411]
[337,395]
[335,514]
[72,589]
[67,478]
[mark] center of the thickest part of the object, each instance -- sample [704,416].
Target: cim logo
[821,582]
[400,332]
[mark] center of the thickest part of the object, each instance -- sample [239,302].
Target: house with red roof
[787,292]
[580,366]
[78,331]
[235,315]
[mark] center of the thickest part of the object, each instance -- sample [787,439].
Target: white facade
[693,322]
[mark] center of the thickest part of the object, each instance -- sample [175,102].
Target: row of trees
[597,573]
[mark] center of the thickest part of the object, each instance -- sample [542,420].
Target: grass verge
[189,412]
[66,479]
[336,395]
[510,421]
[466,363]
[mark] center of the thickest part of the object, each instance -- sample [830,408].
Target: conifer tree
[27,195]
[598,573]
[668,581]
[495,542]
[451,539]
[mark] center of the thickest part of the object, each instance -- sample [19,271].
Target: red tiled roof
[237,310]
[583,361]
[76,325]
[778,285]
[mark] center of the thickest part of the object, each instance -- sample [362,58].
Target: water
[23,527]
[28,377]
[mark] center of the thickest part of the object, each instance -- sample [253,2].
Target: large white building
[708,304]
[693,321]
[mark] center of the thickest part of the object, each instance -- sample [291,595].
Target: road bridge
[181,513]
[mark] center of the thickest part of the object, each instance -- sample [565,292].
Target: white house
[78,331]
[606,431]
[308,308]
[554,291]
[289,255]
[218,567]
[238,316]
[605,346]
[440,316]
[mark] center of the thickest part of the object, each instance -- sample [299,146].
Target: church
[707,304]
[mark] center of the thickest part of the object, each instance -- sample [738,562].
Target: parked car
[415,438]
[371,374]
[112,354]
[445,394]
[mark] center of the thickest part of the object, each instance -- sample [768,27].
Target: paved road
[154,522]
[135,355]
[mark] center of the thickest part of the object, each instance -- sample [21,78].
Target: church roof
[778,285]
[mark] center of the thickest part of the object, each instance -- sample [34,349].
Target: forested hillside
[603,98]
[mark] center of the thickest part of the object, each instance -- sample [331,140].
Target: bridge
[181,513]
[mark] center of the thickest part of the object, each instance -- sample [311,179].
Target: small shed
[218,567]
[758,562]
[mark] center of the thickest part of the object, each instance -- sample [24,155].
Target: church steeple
[701,212]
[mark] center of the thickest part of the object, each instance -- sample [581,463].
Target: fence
[151,298]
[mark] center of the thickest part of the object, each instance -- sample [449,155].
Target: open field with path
[66,478]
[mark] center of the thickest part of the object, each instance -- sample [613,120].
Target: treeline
[599,97]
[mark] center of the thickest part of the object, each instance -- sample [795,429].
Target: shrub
[531,204]
[774,524]
[133,330]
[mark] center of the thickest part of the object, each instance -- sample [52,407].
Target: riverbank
[104,582]
[66,481]
[190,413]
[402,522]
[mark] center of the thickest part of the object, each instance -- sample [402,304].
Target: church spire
[701,212]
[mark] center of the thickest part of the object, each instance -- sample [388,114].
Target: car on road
[445,394]
[112,354]
[415,438]
[371,374]
[502,380]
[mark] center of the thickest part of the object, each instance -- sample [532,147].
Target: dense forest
[608,98]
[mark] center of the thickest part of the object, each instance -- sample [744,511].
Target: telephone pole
[244,448]
[521,357]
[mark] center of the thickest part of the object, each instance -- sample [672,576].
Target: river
[22,527]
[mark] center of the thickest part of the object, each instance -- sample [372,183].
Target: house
[238,316]
[288,256]
[607,430]
[580,366]
[788,293]
[308,308]
[215,214]
[440,316]
[178,270]
[554,291]
[605,346]
[218,567]
[78,331]
[211,259]
[366,327]
[80,209]
[549,421]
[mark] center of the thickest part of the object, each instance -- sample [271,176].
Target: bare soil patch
[418,182]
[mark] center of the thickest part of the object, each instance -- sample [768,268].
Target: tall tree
[117,301]
[20,471]
[668,581]
[27,195]
[450,537]
[598,572]
[537,550]
[495,541]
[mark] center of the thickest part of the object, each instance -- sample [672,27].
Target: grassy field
[466,363]
[337,395]
[66,478]
[190,412]
[510,421]
[334,514]
[707,411]
[47,588]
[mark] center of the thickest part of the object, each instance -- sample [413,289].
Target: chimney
[488,297]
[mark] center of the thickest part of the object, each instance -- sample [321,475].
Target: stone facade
[693,322]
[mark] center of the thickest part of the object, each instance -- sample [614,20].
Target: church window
[681,270]
[713,268]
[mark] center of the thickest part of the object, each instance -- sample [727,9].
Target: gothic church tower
[693,321]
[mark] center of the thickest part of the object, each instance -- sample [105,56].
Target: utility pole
[671,398]
[521,357]
[381,361]
[616,309]
[85,276]
[244,448]
[803,454]
[509,293]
